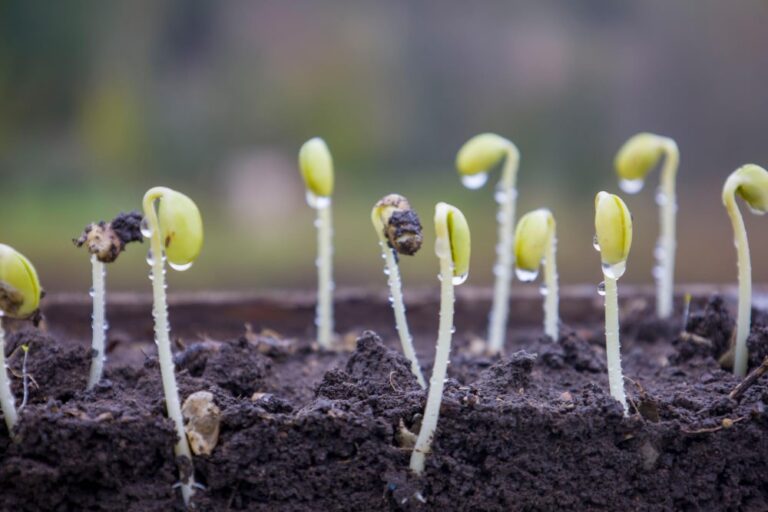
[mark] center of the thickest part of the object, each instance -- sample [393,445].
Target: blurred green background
[101,100]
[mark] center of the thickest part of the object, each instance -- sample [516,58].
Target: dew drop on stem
[543,290]
[457,280]
[631,186]
[601,288]
[474,181]
[614,271]
[595,243]
[317,202]
[146,229]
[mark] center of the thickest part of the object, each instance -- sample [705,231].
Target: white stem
[551,314]
[437,380]
[165,357]
[324,314]
[612,345]
[666,244]
[744,319]
[98,322]
[7,401]
[396,292]
[504,257]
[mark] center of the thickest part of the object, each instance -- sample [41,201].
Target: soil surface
[308,430]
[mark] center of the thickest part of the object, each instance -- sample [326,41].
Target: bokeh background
[101,100]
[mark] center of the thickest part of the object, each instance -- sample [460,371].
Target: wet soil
[308,430]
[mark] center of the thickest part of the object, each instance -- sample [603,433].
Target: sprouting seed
[105,241]
[750,182]
[176,235]
[636,158]
[316,166]
[536,242]
[473,161]
[19,298]
[613,225]
[453,248]
[399,232]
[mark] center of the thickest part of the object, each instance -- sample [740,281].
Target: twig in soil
[473,161]
[749,380]
[726,423]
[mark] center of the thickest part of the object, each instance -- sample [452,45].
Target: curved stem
[437,380]
[665,260]
[7,401]
[396,292]
[504,258]
[98,322]
[324,313]
[612,345]
[162,339]
[551,314]
[745,286]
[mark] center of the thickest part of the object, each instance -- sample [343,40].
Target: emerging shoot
[636,158]
[749,182]
[105,241]
[173,224]
[399,232]
[453,250]
[536,243]
[474,160]
[316,167]
[19,298]
[613,228]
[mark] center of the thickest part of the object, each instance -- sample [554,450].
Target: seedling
[105,241]
[636,158]
[536,243]
[452,247]
[172,223]
[474,160]
[316,165]
[750,182]
[399,231]
[19,298]
[613,225]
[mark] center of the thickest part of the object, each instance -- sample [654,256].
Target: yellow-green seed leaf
[452,226]
[181,227]
[750,182]
[638,156]
[19,284]
[613,226]
[534,232]
[316,165]
[481,153]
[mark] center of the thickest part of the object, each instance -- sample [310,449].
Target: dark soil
[306,430]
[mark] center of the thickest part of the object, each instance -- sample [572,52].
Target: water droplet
[106,325]
[596,243]
[92,292]
[657,272]
[658,252]
[525,275]
[474,181]
[386,271]
[391,299]
[601,288]
[502,194]
[457,280]
[614,271]
[543,290]
[146,230]
[150,257]
[180,267]
[453,329]
[317,202]
[631,186]
[661,197]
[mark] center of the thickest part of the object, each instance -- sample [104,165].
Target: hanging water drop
[180,267]
[457,280]
[146,229]
[601,288]
[526,276]
[631,186]
[661,197]
[92,292]
[474,181]
[614,271]
[657,272]
[596,243]
[659,253]
[317,202]
[543,290]
[150,257]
